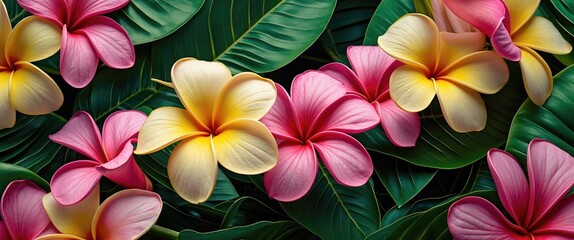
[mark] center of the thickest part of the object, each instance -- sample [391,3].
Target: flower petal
[110,41]
[83,9]
[281,119]
[5,30]
[311,93]
[345,158]
[73,182]
[245,146]
[78,60]
[462,107]
[59,236]
[411,89]
[33,92]
[22,210]
[294,174]
[33,39]
[245,96]
[4,234]
[344,74]
[120,128]
[540,34]
[124,171]
[55,10]
[510,183]
[127,214]
[349,114]
[197,84]
[402,128]
[413,40]
[536,75]
[192,169]
[454,46]
[7,110]
[373,67]
[520,12]
[483,71]
[476,218]
[559,220]
[550,174]
[164,126]
[502,43]
[82,135]
[74,219]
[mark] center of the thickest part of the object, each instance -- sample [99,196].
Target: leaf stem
[159,232]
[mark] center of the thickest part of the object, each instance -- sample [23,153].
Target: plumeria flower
[127,214]
[24,87]
[86,35]
[537,206]
[110,154]
[219,124]
[317,118]
[22,212]
[447,21]
[449,65]
[370,80]
[515,32]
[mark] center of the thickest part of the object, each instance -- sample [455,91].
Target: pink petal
[54,10]
[110,40]
[83,9]
[551,176]
[294,173]
[74,181]
[311,93]
[511,184]
[22,210]
[4,234]
[124,171]
[349,114]
[82,135]
[282,118]
[127,214]
[345,75]
[121,127]
[78,60]
[503,45]
[373,67]
[476,218]
[402,127]
[559,220]
[345,158]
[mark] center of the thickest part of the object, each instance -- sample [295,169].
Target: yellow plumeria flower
[220,124]
[24,87]
[449,65]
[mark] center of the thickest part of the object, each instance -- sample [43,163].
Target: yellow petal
[484,71]
[7,111]
[197,84]
[411,89]
[74,219]
[58,236]
[454,46]
[246,95]
[5,30]
[164,126]
[536,75]
[520,12]
[462,107]
[246,147]
[192,169]
[413,40]
[33,39]
[540,34]
[33,92]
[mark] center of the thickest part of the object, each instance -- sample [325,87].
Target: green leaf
[386,14]
[11,172]
[259,36]
[397,213]
[178,220]
[333,211]
[150,20]
[484,180]
[402,180]
[561,14]
[247,210]
[15,12]
[261,230]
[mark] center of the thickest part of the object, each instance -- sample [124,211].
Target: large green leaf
[561,14]
[15,12]
[11,172]
[397,213]
[386,14]
[261,230]
[248,210]
[257,35]
[333,211]
[150,20]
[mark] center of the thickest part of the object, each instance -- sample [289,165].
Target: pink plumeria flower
[447,21]
[370,80]
[22,212]
[128,214]
[87,36]
[536,206]
[317,117]
[110,154]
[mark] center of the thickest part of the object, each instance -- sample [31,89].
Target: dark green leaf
[484,179]
[397,213]
[561,14]
[15,12]
[248,210]
[386,14]
[178,220]
[261,230]
[11,172]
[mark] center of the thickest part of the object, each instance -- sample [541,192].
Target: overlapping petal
[536,75]
[55,10]
[74,181]
[402,128]
[119,128]
[559,220]
[373,66]
[520,12]
[192,169]
[540,34]
[463,109]
[33,92]
[124,171]
[33,39]
[82,135]
[282,120]
[7,110]
[22,210]
[74,219]
[349,114]
[294,174]
[411,89]
[5,30]
[454,46]
[78,61]
[110,41]
[344,74]
[484,72]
